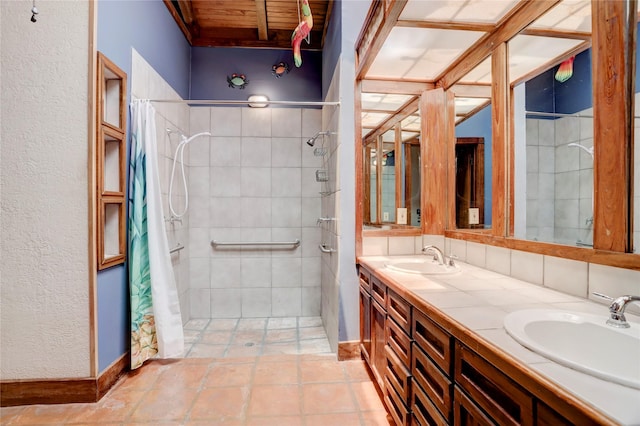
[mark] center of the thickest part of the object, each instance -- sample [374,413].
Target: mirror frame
[613,123]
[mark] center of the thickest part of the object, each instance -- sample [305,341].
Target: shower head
[312,141]
[186,140]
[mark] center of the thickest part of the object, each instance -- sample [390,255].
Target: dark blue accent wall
[545,94]
[210,67]
[479,126]
[332,46]
[148,27]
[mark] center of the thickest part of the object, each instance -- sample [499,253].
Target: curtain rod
[229,102]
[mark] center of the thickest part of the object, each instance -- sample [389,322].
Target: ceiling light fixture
[258,101]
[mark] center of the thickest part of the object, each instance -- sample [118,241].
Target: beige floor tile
[276,400]
[377,418]
[276,421]
[280,336]
[276,373]
[164,404]
[367,396]
[207,351]
[216,337]
[182,375]
[319,398]
[243,351]
[285,348]
[242,337]
[228,374]
[342,419]
[46,414]
[322,370]
[356,371]
[220,404]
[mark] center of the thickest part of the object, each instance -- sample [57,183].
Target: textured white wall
[44,305]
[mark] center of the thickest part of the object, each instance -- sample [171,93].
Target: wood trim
[395,87]
[327,20]
[380,21]
[499,138]
[410,107]
[92,196]
[523,14]
[358,146]
[446,25]
[434,170]
[62,391]
[379,171]
[399,201]
[613,101]
[511,168]
[176,17]
[348,351]
[451,163]
[539,32]
[395,231]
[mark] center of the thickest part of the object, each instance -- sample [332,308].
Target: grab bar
[323,248]
[294,243]
[176,248]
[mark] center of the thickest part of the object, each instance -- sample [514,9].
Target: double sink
[582,341]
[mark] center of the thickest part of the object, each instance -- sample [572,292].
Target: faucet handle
[452,257]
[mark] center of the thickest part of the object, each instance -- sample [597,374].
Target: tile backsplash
[568,276]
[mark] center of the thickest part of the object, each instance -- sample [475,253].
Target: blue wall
[148,27]
[332,46]
[210,67]
[545,94]
[479,126]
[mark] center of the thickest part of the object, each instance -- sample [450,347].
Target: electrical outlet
[402,216]
[385,216]
[474,216]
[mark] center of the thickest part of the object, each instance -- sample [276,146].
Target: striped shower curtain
[156,323]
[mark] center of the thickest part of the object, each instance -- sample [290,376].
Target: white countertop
[480,299]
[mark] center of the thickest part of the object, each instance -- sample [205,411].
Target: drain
[249,344]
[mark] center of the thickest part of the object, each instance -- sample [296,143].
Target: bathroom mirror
[553,138]
[391,161]
[473,161]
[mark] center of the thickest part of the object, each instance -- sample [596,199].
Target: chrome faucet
[437,253]
[617,307]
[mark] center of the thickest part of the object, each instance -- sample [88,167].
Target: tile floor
[224,338]
[260,376]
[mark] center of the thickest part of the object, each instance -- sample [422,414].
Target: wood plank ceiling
[248,23]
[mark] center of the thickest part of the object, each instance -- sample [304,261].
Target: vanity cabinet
[435,372]
[397,376]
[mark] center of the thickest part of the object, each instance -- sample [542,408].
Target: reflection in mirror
[554,144]
[391,175]
[473,149]
[636,159]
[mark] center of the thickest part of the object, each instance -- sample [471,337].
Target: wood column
[433,150]
[499,140]
[613,64]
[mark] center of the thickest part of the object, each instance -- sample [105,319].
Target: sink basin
[580,341]
[425,266]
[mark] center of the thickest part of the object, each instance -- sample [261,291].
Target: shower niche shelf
[110,156]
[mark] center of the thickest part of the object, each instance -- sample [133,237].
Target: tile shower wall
[254,179]
[560,180]
[146,83]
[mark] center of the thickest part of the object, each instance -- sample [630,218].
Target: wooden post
[499,139]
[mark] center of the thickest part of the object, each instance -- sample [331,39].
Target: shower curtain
[156,323]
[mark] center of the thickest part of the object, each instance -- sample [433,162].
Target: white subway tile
[568,276]
[375,246]
[499,259]
[476,254]
[527,266]
[401,245]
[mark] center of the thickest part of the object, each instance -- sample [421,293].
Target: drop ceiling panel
[479,11]
[383,101]
[420,53]
[480,74]
[569,15]
[465,105]
[373,119]
[530,53]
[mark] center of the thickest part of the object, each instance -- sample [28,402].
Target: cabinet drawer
[399,342]
[396,406]
[365,324]
[379,291]
[399,310]
[432,339]
[465,412]
[434,383]
[398,375]
[503,399]
[424,412]
[365,278]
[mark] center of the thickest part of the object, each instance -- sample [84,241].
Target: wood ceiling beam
[186,10]
[261,18]
[446,25]
[522,16]
[246,37]
[405,111]
[577,35]
[382,17]
[394,87]
[176,17]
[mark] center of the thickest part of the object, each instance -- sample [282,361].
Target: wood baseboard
[61,391]
[348,350]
